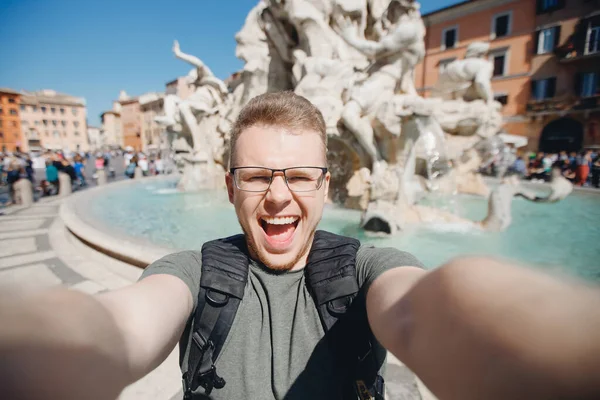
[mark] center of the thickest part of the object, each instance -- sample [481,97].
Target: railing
[563,104]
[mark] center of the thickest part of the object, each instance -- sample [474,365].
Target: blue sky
[93,49]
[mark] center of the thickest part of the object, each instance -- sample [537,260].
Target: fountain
[393,155]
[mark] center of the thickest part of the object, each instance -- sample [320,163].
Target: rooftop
[8,91]
[49,96]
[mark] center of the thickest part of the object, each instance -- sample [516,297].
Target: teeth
[279,220]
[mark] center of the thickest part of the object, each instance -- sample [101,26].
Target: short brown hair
[284,109]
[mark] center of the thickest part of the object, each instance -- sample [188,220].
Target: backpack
[331,277]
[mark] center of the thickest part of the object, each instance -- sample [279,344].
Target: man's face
[264,216]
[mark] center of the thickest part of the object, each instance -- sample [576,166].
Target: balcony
[583,44]
[562,105]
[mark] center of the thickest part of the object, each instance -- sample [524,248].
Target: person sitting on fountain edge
[287,312]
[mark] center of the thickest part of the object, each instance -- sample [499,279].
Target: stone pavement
[37,251]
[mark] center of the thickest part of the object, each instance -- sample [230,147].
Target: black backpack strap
[222,283]
[331,277]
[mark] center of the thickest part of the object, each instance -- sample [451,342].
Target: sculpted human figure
[393,60]
[471,76]
[208,95]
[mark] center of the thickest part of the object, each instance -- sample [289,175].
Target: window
[37,123]
[47,134]
[589,84]
[501,25]
[53,110]
[1,110]
[56,134]
[45,122]
[499,61]
[22,107]
[34,108]
[74,111]
[548,39]
[44,109]
[53,122]
[0,123]
[449,38]
[542,89]
[1,134]
[62,110]
[14,123]
[592,43]
[11,100]
[75,124]
[13,112]
[63,123]
[544,6]
[76,133]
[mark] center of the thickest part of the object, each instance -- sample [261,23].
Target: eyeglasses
[297,179]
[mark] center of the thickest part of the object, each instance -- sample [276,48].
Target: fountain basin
[140,221]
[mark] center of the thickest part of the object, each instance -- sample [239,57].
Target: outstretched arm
[478,328]
[195,61]
[77,346]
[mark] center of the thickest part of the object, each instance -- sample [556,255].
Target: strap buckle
[209,380]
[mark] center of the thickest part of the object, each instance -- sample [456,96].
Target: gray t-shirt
[275,349]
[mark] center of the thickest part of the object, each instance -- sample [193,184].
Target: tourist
[143,163]
[583,168]
[568,170]
[80,170]
[13,174]
[473,328]
[159,165]
[51,188]
[519,167]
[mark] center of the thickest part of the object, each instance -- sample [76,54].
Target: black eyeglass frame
[282,170]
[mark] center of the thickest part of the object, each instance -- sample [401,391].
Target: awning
[515,140]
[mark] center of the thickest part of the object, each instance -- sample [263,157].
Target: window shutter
[578,83]
[533,89]
[551,87]
[539,7]
[556,36]
[536,41]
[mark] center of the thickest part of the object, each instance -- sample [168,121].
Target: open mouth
[279,230]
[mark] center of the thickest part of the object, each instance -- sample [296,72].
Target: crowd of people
[583,168]
[20,165]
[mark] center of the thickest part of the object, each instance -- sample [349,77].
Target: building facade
[11,137]
[179,87]
[546,57]
[54,121]
[131,126]
[111,129]
[564,107]
[507,25]
[95,137]
[151,106]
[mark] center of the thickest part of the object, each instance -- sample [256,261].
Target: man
[474,328]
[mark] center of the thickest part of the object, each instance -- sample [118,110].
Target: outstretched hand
[176,48]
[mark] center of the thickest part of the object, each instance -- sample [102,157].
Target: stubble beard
[254,253]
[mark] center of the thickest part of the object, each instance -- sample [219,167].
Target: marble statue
[385,218]
[394,58]
[469,78]
[387,146]
[197,118]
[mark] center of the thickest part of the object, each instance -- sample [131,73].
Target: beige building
[55,121]
[179,87]
[131,126]
[111,127]
[151,106]
[95,137]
